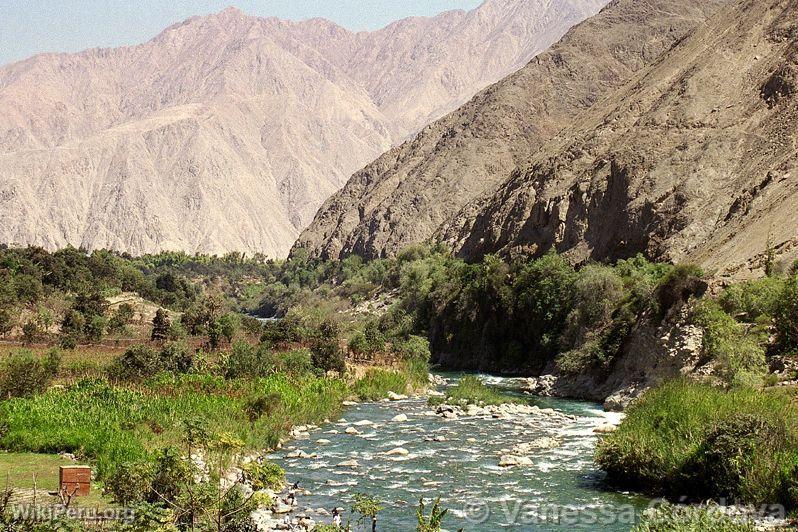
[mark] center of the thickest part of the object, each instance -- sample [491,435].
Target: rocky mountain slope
[695,159]
[415,190]
[226,132]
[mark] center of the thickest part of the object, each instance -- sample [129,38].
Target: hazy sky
[28,27]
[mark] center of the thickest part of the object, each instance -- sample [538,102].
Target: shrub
[296,362]
[6,322]
[471,390]
[327,355]
[723,462]
[265,475]
[753,299]
[228,325]
[414,348]
[597,292]
[787,315]
[121,318]
[23,375]
[30,332]
[244,360]
[160,325]
[130,483]
[695,440]
[176,357]
[95,328]
[136,363]
[739,356]
[678,286]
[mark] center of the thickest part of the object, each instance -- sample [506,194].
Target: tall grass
[694,440]
[376,384]
[471,390]
[111,425]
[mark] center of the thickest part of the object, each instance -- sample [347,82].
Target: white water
[463,472]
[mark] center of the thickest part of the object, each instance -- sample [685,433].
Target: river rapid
[457,460]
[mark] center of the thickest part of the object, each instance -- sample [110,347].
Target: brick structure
[75,479]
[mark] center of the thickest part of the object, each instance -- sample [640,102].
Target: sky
[28,27]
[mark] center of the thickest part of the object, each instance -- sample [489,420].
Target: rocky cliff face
[695,159]
[226,132]
[418,189]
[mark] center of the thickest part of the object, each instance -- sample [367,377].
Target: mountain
[694,160]
[412,191]
[226,132]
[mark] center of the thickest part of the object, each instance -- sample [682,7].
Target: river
[561,490]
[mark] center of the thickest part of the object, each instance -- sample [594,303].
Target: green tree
[6,322]
[327,355]
[160,326]
[368,508]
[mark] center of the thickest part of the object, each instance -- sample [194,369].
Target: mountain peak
[226,132]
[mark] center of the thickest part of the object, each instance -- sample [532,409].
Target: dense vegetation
[704,442]
[187,353]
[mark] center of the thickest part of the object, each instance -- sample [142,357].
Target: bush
[695,440]
[121,318]
[414,348]
[739,355]
[266,475]
[24,375]
[130,483]
[95,328]
[136,363]
[787,315]
[753,299]
[160,326]
[176,357]
[723,462]
[678,286]
[471,390]
[245,360]
[327,355]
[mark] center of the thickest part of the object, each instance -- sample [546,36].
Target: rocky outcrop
[416,190]
[226,132]
[651,355]
[694,160]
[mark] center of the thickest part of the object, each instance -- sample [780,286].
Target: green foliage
[368,507]
[6,322]
[704,442]
[265,475]
[115,425]
[136,363]
[434,521]
[680,284]
[160,326]
[24,375]
[414,348]
[753,299]
[376,384]
[471,390]
[245,360]
[327,355]
[738,354]
[680,518]
[787,315]
[121,318]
